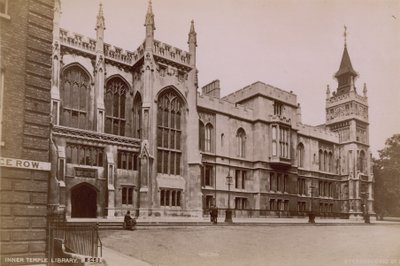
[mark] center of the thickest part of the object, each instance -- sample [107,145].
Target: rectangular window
[127,195]
[127,160]
[278,182]
[240,179]
[241,203]
[271,204]
[274,141]
[271,181]
[170,197]
[278,108]
[285,183]
[208,174]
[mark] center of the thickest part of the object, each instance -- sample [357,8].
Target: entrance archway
[83,201]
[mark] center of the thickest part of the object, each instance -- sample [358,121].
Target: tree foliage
[387,178]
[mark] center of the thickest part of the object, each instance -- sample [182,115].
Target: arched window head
[208,138]
[115,95]
[321,160]
[201,135]
[300,155]
[362,162]
[75,90]
[169,123]
[330,162]
[241,142]
[137,116]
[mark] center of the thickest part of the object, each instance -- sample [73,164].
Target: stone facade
[26,39]
[132,132]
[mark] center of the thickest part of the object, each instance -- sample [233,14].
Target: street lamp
[311,215]
[364,196]
[228,213]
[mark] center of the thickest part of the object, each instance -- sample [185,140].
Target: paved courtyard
[261,245]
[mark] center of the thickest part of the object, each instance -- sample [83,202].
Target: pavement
[204,221]
[273,244]
[113,257]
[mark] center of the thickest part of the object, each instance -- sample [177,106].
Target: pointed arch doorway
[83,201]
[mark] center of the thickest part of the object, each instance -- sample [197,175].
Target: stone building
[132,132]
[25,64]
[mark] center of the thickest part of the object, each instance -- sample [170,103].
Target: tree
[387,178]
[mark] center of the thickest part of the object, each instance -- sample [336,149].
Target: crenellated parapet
[171,54]
[338,99]
[88,45]
[75,40]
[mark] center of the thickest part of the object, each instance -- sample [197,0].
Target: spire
[100,23]
[345,64]
[149,21]
[192,41]
[192,34]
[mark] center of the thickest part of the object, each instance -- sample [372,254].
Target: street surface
[261,245]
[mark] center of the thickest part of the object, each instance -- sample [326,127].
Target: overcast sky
[294,45]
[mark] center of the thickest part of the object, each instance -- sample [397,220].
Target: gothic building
[130,131]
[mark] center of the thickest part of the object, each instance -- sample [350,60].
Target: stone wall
[26,47]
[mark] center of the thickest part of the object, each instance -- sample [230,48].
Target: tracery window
[75,89]
[300,155]
[201,136]
[115,95]
[169,120]
[84,154]
[362,162]
[241,142]
[207,139]
[321,160]
[137,116]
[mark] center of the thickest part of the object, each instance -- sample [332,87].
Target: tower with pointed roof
[347,114]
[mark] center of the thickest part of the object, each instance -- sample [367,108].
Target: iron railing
[78,238]
[254,213]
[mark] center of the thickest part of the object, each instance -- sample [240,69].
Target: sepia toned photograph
[183,132]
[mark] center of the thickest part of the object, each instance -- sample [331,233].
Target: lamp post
[311,215]
[364,196]
[228,213]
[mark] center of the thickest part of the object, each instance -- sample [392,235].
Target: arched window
[300,155]
[75,90]
[208,137]
[326,161]
[321,160]
[362,161]
[137,116]
[241,142]
[115,95]
[169,121]
[330,162]
[201,136]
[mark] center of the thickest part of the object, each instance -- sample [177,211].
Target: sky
[293,45]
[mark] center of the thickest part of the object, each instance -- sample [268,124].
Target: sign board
[24,164]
